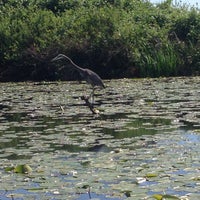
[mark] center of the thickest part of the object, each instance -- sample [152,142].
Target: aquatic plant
[116,38]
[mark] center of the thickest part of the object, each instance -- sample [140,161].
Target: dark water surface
[145,141]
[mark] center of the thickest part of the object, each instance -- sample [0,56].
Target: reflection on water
[140,127]
[135,114]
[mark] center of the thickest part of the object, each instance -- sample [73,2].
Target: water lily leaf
[196,178]
[138,146]
[36,189]
[140,180]
[151,175]
[158,196]
[22,169]
[170,197]
[164,197]
[8,169]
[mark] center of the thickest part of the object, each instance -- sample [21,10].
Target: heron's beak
[54,59]
[58,57]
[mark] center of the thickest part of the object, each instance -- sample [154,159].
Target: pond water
[145,141]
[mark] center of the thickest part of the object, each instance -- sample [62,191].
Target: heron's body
[88,75]
[91,78]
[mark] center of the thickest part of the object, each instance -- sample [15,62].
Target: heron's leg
[92,95]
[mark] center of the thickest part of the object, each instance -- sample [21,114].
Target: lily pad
[145,142]
[22,169]
[165,197]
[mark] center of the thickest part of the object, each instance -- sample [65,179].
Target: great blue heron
[88,75]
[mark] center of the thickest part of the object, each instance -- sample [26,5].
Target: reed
[160,62]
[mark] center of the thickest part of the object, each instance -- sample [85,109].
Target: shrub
[118,38]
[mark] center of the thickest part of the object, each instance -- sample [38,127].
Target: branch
[90,105]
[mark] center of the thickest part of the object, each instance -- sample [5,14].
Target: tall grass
[158,62]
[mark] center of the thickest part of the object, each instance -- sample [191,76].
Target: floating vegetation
[22,169]
[145,144]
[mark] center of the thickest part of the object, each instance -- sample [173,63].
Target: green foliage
[165,196]
[162,61]
[187,27]
[22,169]
[186,40]
[121,38]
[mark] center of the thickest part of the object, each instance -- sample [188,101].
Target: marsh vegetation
[117,39]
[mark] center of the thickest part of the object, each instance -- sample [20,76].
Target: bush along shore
[115,38]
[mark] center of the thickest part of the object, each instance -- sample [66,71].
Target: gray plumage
[88,75]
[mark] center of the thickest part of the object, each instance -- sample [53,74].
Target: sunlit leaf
[8,169]
[158,196]
[151,175]
[164,197]
[22,169]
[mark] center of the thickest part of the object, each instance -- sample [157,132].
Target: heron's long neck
[75,65]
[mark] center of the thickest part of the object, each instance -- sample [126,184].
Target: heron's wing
[94,79]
